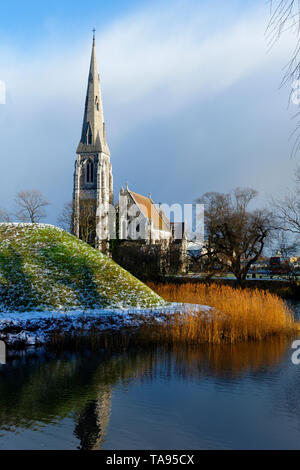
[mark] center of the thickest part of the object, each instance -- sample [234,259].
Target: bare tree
[31,206]
[65,218]
[87,220]
[235,236]
[287,246]
[285,17]
[4,216]
[287,209]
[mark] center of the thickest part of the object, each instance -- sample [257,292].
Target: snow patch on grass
[43,268]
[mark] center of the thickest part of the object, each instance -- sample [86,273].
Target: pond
[242,397]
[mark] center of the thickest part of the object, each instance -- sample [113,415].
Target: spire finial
[94,33]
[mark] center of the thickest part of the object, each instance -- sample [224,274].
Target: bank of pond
[214,314]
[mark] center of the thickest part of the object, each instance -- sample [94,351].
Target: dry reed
[239,315]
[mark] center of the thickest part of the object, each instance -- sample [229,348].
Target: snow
[60,272]
[52,282]
[30,225]
[35,328]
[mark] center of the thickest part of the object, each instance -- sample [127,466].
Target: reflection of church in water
[158,243]
[93,420]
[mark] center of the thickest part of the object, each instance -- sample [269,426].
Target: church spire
[93,138]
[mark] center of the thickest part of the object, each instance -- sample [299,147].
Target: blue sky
[31,19]
[191,96]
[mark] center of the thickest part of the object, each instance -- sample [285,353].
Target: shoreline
[37,328]
[214,314]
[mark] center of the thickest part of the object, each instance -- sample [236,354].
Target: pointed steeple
[93,137]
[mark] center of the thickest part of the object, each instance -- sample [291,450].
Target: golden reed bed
[239,315]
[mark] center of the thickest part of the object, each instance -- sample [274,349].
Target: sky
[191,93]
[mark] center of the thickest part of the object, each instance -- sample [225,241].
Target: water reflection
[92,421]
[40,391]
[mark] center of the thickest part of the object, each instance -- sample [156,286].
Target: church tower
[93,181]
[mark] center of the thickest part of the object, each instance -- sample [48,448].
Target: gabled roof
[150,211]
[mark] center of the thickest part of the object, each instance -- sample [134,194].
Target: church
[138,234]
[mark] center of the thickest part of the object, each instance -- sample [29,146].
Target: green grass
[45,268]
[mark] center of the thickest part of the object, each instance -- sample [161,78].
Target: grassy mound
[44,268]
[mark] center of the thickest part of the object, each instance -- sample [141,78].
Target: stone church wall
[150,261]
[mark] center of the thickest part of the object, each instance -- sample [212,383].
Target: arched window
[97,103]
[90,172]
[89,136]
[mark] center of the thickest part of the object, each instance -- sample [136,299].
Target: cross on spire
[94,32]
[93,129]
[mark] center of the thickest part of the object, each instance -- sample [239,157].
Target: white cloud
[142,55]
[154,65]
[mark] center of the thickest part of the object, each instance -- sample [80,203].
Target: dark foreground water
[244,397]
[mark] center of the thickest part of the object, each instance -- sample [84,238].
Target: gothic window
[90,172]
[97,103]
[90,137]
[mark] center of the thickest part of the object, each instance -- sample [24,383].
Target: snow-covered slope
[44,268]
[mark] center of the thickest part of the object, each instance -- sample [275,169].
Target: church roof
[93,137]
[150,211]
